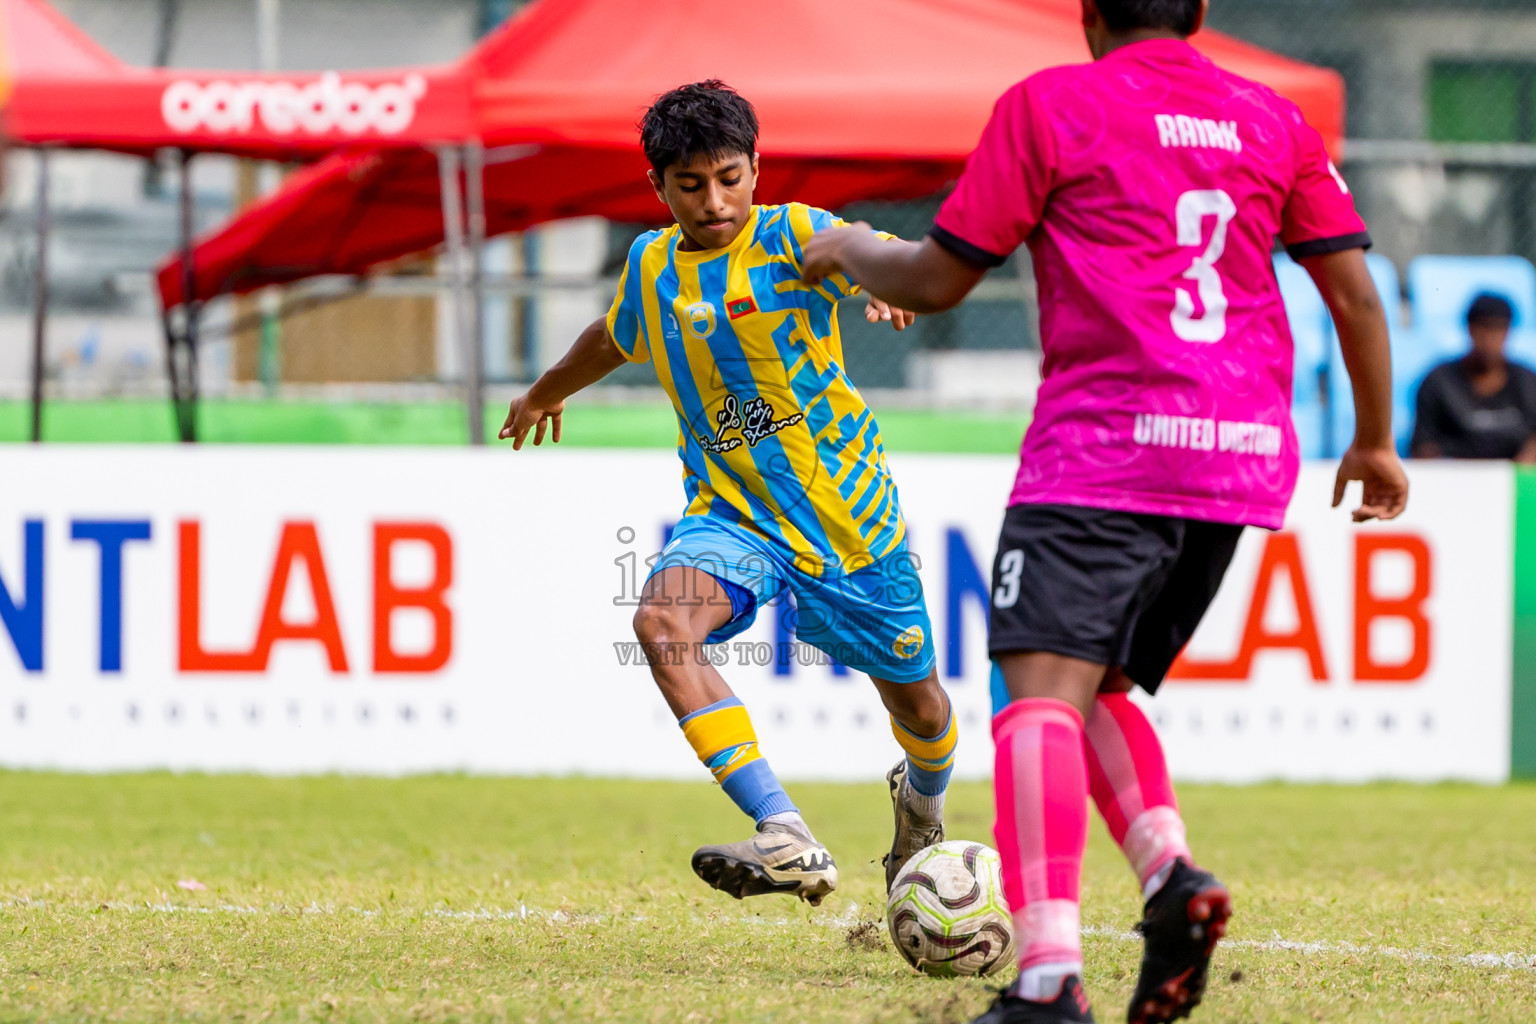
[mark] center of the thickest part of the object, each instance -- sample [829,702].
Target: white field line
[847,919]
[1505,961]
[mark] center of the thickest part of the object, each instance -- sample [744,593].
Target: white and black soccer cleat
[914,832]
[778,859]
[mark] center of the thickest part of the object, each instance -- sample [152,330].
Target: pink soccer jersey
[1150,187]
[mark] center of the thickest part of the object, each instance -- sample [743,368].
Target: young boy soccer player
[1150,186]
[786,482]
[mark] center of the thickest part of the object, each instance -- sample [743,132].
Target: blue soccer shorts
[873,620]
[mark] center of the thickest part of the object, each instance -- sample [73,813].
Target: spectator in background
[1481,406]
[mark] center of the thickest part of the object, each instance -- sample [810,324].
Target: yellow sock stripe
[934,754]
[719,731]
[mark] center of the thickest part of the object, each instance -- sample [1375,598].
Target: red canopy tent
[875,99]
[70,92]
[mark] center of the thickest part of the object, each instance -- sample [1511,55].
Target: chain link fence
[1441,157]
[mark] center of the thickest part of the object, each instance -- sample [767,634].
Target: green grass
[348,899]
[438,423]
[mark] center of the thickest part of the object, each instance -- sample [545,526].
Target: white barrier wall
[367,610]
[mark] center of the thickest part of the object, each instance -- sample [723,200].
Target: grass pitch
[571,900]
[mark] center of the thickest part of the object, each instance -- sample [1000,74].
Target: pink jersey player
[1150,187]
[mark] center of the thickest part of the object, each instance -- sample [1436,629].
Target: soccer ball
[947,914]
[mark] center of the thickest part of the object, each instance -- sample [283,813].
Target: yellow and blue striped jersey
[772,433]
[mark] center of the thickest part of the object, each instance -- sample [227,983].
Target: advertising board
[407,610]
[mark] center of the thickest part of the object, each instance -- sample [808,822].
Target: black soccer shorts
[1115,588]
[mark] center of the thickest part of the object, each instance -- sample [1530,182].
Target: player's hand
[525,415]
[877,310]
[823,254]
[1386,485]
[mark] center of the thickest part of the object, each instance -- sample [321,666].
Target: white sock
[931,808]
[788,819]
[1042,982]
[1156,880]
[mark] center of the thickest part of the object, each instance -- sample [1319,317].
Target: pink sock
[1129,780]
[1041,831]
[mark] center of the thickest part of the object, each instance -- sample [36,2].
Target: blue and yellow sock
[930,759]
[722,736]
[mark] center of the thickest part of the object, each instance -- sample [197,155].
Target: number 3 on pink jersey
[1189,216]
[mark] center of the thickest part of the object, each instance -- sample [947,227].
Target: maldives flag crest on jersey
[738,308]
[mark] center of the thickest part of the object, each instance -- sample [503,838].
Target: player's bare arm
[1346,286]
[593,357]
[877,309]
[922,277]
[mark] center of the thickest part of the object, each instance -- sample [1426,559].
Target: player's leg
[923,722]
[1067,585]
[705,589]
[1128,777]
[875,620]
[1041,790]
[680,608]
[1186,908]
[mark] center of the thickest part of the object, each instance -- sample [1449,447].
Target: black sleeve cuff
[975,255]
[1324,246]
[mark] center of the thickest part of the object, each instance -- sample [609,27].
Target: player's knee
[659,624]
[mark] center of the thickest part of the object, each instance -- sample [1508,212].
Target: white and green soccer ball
[947,914]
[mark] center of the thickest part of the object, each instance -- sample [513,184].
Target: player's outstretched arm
[1347,288]
[922,277]
[593,357]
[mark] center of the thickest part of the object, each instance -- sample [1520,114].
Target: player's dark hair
[1176,15]
[702,119]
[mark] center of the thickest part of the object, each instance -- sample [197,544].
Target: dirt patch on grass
[867,937]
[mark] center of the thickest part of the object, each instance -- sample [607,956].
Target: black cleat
[1069,1007]
[1181,925]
